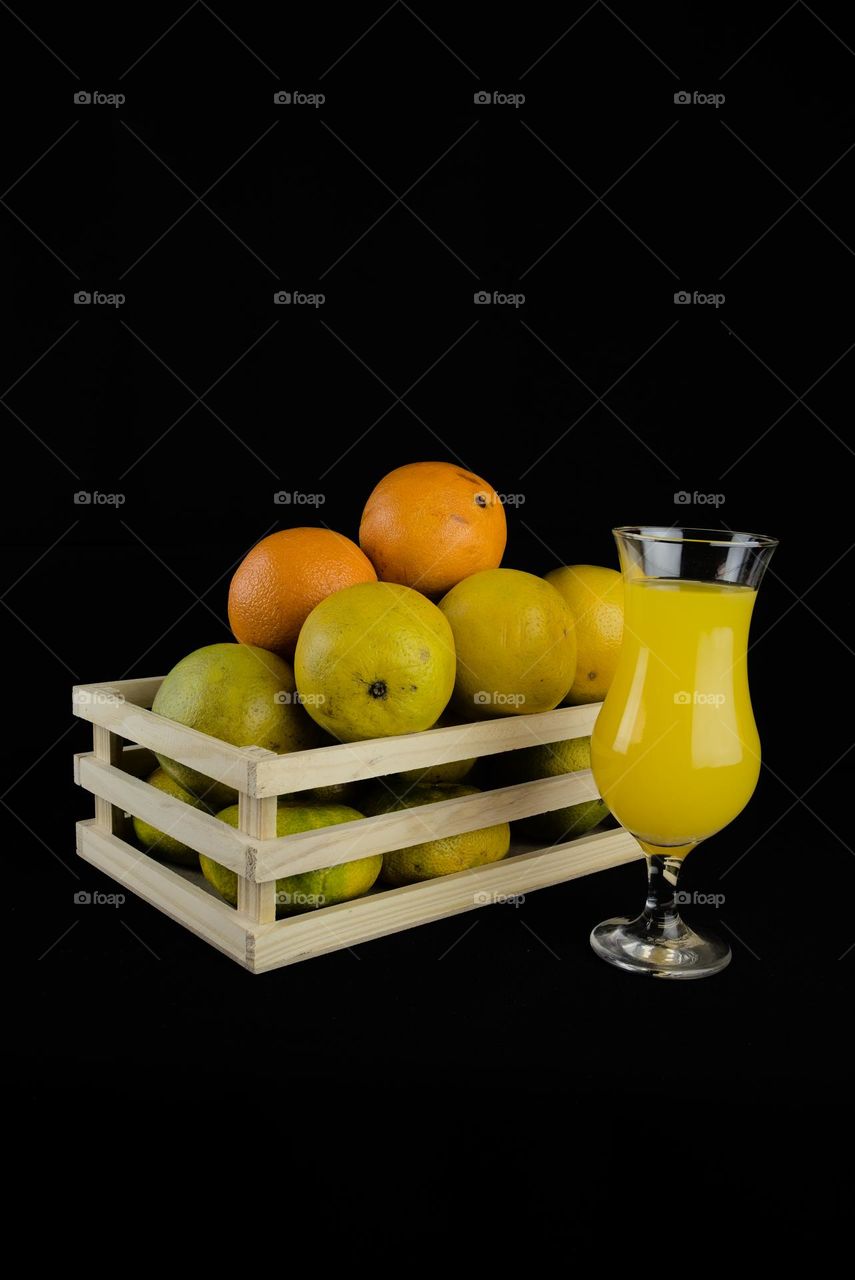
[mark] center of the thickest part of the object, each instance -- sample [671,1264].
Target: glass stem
[660,910]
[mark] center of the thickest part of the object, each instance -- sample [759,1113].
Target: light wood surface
[257,821]
[350,923]
[354,761]
[107,748]
[262,947]
[201,831]
[348,841]
[141,692]
[220,760]
[166,888]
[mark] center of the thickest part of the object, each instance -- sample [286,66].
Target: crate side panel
[171,892]
[348,924]
[201,831]
[328,846]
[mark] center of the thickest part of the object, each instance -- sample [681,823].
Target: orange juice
[675,750]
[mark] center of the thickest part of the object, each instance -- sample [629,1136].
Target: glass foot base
[638,946]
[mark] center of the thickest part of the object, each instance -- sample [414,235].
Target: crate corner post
[256,898]
[107,747]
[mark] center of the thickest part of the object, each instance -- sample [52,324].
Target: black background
[595,400]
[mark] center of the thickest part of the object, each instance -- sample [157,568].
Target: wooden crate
[127,732]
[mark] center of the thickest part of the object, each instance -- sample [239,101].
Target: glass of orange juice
[675,751]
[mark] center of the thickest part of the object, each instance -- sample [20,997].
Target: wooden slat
[169,890]
[210,756]
[257,820]
[199,830]
[348,841]
[141,692]
[349,923]
[137,761]
[354,761]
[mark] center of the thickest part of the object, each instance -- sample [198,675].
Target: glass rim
[708,537]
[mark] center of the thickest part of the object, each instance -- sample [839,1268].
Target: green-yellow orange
[157,843]
[310,890]
[515,643]
[240,694]
[442,856]
[373,660]
[548,761]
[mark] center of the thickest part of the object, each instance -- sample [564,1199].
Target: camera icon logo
[82,298]
[82,498]
[481,98]
[282,298]
[682,898]
[82,97]
[282,497]
[481,698]
[682,98]
[82,897]
[683,298]
[282,98]
[482,297]
[682,498]
[682,699]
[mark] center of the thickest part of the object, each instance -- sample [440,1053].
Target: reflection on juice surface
[675,750]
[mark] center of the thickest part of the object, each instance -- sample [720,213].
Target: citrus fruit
[373,660]
[438,857]
[429,524]
[595,598]
[157,843]
[548,760]
[515,644]
[311,889]
[240,694]
[283,577]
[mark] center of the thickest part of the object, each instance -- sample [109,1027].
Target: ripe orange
[279,582]
[430,524]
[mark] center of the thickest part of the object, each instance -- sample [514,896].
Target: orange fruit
[278,584]
[428,525]
[595,597]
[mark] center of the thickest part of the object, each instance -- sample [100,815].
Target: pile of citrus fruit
[417,626]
